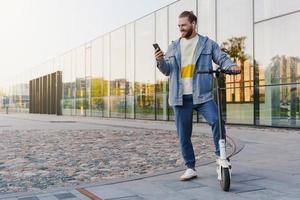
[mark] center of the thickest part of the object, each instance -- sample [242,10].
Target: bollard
[6,110]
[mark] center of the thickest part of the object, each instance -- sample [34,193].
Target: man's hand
[235,70]
[159,55]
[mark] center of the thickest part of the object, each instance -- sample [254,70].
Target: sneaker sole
[187,179]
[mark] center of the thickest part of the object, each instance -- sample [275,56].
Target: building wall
[115,74]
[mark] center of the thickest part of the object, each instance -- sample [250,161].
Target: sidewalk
[267,168]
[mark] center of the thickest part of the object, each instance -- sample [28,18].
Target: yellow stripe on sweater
[187,71]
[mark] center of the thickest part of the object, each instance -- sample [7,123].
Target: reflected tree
[283,70]
[235,48]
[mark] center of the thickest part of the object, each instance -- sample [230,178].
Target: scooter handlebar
[218,70]
[211,71]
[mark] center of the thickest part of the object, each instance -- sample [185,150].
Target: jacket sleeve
[164,65]
[221,58]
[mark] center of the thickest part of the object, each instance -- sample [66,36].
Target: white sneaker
[188,174]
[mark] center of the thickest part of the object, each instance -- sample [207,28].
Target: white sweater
[187,47]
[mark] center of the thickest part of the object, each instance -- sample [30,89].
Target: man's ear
[194,24]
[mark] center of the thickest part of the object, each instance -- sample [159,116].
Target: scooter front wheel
[225,179]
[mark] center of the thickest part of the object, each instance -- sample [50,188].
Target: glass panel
[97,78]
[145,68]
[68,85]
[161,80]
[18,98]
[106,72]
[73,76]
[80,81]
[241,113]
[88,80]
[281,106]
[117,75]
[278,59]
[265,9]
[174,11]
[237,42]
[206,18]
[130,71]
[25,92]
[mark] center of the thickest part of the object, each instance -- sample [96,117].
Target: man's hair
[190,15]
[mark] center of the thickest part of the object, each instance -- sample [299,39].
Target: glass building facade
[115,75]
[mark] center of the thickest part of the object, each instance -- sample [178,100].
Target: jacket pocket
[206,84]
[206,57]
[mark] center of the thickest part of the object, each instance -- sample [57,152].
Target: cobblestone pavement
[33,160]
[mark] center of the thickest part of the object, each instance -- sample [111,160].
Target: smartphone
[156,46]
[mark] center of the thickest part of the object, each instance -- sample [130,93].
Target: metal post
[219,106]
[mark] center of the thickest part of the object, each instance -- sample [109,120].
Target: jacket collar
[199,48]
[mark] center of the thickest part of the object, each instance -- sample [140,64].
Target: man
[189,90]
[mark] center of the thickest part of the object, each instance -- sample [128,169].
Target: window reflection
[88,78]
[106,73]
[97,77]
[278,61]
[239,87]
[206,18]
[68,86]
[161,83]
[117,75]
[145,69]
[234,34]
[265,9]
[80,81]
[130,71]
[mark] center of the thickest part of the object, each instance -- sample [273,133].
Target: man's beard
[188,33]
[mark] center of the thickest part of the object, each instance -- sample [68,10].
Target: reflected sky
[271,8]
[235,23]
[277,37]
[34,31]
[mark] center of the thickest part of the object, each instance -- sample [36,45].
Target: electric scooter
[223,163]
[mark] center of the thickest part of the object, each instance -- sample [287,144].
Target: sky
[33,31]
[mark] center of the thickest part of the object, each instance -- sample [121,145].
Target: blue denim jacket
[206,51]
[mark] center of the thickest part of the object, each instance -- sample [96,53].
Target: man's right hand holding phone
[159,54]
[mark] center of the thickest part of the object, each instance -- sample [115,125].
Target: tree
[235,48]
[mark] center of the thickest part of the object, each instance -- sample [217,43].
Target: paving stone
[166,196]
[274,185]
[9,198]
[263,195]
[177,185]
[242,177]
[135,197]
[242,187]
[64,196]
[79,195]
[144,187]
[110,191]
[209,193]
[47,197]
[28,198]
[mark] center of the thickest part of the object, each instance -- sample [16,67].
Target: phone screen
[156,46]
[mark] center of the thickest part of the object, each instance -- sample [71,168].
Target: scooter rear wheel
[225,179]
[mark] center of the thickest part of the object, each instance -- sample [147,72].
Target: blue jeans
[184,125]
